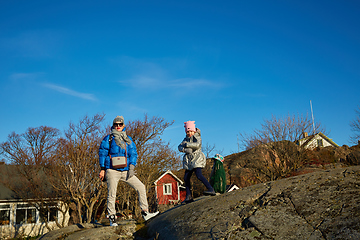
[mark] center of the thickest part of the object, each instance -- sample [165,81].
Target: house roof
[6,193]
[6,172]
[172,174]
[307,140]
[231,187]
[10,177]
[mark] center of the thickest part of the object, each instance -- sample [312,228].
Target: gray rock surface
[88,231]
[318,205]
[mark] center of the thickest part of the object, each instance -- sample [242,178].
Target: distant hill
[276,161]
[279,160]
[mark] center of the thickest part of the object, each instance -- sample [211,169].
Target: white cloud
[148,82]
[175,127]
[24,76]
[143,82]
[154,76]
[194,83]
[33,44]
[70,92]
[130,107]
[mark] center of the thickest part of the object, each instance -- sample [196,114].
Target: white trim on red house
[167,189]
[168,172]
[179,185]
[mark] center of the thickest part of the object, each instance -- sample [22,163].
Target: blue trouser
[199,175]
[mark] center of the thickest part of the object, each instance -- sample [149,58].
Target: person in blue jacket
[115,146]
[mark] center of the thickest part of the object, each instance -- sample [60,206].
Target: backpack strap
[110,141]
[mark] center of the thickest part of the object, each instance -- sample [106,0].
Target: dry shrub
[267,162]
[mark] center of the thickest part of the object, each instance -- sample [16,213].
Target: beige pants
[112,178]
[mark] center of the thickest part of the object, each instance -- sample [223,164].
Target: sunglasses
[118,124]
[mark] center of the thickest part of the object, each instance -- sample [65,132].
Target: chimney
[305,134]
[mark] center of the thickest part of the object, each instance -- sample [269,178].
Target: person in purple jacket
[118,145]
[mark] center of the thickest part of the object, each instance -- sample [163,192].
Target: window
[25,213]
[320,143]
[48,213]
[5,214]
[167,189]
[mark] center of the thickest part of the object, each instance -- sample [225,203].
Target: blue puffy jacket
[116,151]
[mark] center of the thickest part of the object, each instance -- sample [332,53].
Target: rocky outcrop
[318,205]
[353,158]
[277,160]
[88,231]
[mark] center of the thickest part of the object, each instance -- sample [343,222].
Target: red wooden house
[169,189]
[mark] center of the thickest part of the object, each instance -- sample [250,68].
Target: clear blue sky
[228,65]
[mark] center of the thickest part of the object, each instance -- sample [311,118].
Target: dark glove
[188,150]
[131,171]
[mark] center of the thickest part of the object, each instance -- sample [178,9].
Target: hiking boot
[209,193]
[187,200]
[147,215]
[112,221]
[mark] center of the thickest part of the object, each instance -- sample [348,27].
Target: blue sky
[227,65]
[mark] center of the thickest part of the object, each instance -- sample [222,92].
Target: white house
[316,140]
[20,218]
[27,217]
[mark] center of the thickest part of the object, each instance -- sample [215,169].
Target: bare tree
[276,160]
[154,155]
[355,127]
[208,150]
[75,167]
[290,128]
[30,155]
[34,147]
[69,165]
[266,162]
